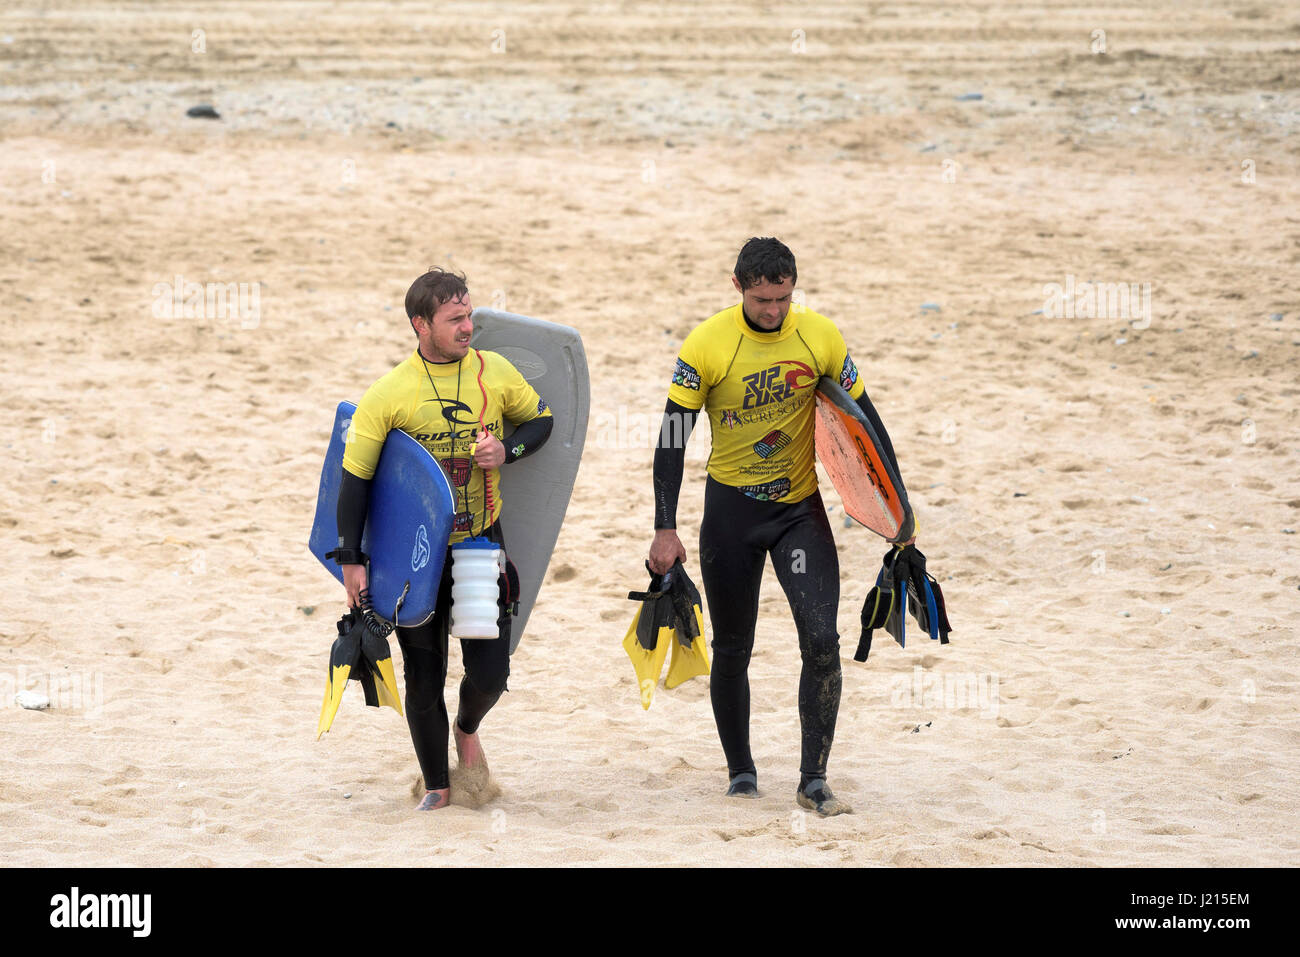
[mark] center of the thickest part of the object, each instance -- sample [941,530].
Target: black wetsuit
[424,663]
[424,649]
[737,534]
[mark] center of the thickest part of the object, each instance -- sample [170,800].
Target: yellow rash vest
[758,389]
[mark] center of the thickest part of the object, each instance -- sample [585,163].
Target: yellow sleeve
[841,366]
[375,416]
[690,383]
[519,400]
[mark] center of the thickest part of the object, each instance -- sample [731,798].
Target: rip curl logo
[776,384]
[686,376]
[452,409]
[730,418]
[771,443]
[434,438]
[421,552]
[848,374]
[768,491]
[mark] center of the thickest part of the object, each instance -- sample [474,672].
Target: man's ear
[736,282]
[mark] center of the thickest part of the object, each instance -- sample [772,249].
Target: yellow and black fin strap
[345,659]
[656,610]
[685,598]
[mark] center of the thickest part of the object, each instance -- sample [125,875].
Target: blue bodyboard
[408,522]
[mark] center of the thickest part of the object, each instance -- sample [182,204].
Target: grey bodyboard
[535,490]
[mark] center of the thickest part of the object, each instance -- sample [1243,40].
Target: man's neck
[755,326]
[437,362]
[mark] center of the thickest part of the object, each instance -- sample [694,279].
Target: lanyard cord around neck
[453,422]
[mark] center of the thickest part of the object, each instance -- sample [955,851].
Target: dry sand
[1111,509]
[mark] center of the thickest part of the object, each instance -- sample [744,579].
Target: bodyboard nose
[854,459]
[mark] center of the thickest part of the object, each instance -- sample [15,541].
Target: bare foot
[818,797]
[435,800]
[471,781]
[469,751]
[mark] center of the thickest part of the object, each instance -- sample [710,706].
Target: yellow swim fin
[345,659]
[647,662]
[360,653]
[649,636]
[377,658]
[669,619]
[688,660]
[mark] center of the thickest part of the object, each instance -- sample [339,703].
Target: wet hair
[432,290]
[768,259]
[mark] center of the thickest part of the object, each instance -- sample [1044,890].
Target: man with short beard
[453,400]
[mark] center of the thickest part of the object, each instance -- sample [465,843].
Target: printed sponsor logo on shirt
[730,418]
[771,443]
[457,470]
[451,409]
[761,468]
[429,438]
[768,491]
[541,406]
[849,374]
[686,376]
[776,384]
[464,520]
[777,413]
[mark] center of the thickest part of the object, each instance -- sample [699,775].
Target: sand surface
[1110,503]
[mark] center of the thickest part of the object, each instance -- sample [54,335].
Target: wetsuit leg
[487,666]
[424,665]
[808,567]
[487,661]
[731,567]
[424,657]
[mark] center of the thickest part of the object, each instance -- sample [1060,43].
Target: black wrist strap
[348,556]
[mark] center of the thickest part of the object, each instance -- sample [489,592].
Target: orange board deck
[847,446]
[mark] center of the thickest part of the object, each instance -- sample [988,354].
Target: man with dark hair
[754,368]
[453,400]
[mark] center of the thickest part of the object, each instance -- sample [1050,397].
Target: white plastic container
[475,566]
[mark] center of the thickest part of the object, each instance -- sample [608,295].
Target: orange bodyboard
[847,446]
